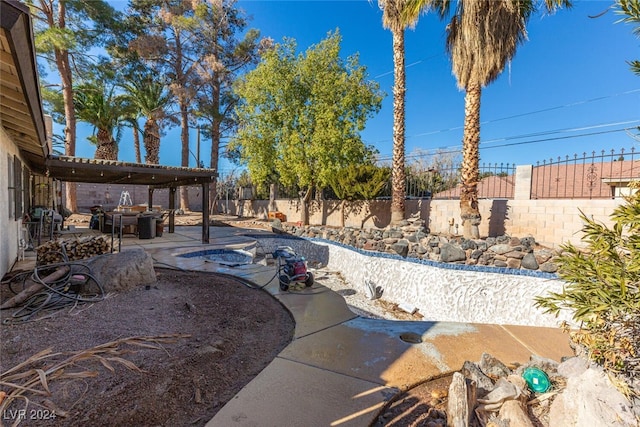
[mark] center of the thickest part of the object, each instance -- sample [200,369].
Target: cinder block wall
[552,222]
[108,196]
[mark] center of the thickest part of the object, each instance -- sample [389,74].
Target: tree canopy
[631,10]
[301,115]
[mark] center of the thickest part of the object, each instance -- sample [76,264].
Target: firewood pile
[75,249]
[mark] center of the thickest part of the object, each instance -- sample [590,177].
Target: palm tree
[132,121]
[102,108]
[150,97]
[482,37]
[392,19]
[397,15]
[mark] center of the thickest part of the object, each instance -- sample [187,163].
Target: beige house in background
[23,142]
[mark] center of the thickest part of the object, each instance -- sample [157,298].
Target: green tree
[631,8]
[165,41]
[65,30]
[100,106]
[97,102]
[301,115]
[602,290]
[358,182]
[149,97]
[222,56]
[482,37]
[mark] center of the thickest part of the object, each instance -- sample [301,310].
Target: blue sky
[570,79]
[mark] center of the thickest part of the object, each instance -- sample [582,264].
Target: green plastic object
[536,379]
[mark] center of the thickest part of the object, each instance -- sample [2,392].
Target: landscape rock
[549,267]
[542,255]
[124,270]
[401,248]
[572,367]
[414,242]
[529,262]
[451,253]
[500,248]
[492,367]
[591,400]
[513,412]
[483,383]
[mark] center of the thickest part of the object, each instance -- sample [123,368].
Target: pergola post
[205,212]
[150,200]
[172,209]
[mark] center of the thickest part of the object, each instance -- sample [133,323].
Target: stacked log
[75,249]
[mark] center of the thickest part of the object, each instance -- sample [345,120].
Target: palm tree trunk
[215,141]
[106,149]
[136,144]
[184,138]
[64,68]
[151,141]
[469,212]
[398,179]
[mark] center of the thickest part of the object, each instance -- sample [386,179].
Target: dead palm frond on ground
[34,376]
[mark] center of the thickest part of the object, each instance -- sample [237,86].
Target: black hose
[60,293]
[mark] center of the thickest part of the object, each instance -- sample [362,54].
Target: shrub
[602,290]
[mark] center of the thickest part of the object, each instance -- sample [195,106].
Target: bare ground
[212,336]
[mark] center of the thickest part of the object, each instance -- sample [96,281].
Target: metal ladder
[125,199]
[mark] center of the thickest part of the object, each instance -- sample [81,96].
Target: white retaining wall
[444,292]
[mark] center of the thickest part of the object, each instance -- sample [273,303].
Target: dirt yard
[210,336]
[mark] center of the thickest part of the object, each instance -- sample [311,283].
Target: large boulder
[452,253]
[590,399]
[122,271]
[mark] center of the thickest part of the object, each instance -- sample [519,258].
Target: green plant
[603,289]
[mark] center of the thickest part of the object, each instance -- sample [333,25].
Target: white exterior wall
[9,226]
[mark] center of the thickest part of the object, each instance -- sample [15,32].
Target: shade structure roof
[76,169]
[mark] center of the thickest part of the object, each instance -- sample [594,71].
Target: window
[26,190]
[11,186]
[18,197]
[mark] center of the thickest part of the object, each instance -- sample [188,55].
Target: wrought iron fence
[496,182]
[590,176]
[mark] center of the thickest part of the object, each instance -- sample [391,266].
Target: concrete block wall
[551,222]
[108,196]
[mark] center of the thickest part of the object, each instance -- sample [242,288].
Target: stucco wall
[9,226]
[440,292]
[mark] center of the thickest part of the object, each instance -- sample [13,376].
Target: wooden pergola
[76,169]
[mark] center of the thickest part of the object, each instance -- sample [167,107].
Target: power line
[419,61]
[458,147]
[514,116]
